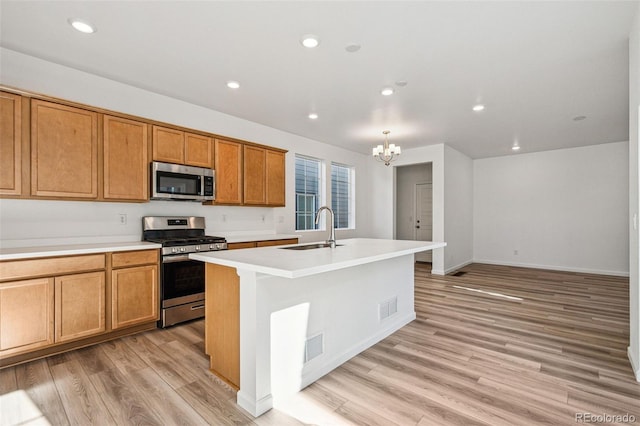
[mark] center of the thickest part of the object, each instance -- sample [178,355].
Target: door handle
[417,226]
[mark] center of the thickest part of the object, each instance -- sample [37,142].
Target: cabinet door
[134,293]
[275,178]
[228,165]
[168,145]
[10,144]
[79,306]
[255,175]
[26,315]
[198,150]
[64,151]
[126,166]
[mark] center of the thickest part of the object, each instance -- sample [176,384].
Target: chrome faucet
[332,237]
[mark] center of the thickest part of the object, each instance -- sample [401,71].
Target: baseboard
[311,376]
[554,268]
[455,268]
[635,366]
[255,408]
[437,272]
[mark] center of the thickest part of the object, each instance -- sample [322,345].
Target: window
[342,201]
[308,191]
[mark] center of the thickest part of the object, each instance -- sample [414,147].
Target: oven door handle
[178,258]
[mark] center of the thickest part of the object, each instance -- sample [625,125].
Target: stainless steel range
[181,279]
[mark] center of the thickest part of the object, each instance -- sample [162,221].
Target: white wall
[634,199]
[452,177]
[563,209]
[406,179]
[25,222]
[458,209]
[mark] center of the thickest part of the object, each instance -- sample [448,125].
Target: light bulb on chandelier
[388,152]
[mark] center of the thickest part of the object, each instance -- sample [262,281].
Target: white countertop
[300,263]
[246,238]
[73,249]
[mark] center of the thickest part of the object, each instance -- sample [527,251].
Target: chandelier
[387,152]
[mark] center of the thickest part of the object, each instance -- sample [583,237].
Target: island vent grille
[314,347]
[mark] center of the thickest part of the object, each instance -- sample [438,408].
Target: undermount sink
[309,246]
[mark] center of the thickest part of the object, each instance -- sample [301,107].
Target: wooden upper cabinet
[228,165]
[168,145]
[10,144]
[125,156]
[198,150]
[275,178]
[255,174]
[64,151]
[178,147]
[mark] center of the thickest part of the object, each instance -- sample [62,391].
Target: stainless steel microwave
[186,183]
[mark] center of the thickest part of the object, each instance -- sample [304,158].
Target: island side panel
[342,306]
[222,322]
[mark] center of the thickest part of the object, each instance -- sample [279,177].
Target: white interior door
[423,218]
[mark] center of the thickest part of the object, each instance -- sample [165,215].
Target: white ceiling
[535,65]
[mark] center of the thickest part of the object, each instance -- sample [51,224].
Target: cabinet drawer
[277,242]
[132,258]
[50,266]
[233,246]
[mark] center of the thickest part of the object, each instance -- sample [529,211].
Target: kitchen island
[291,316]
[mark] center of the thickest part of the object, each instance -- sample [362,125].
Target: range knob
[212,246]
[197,248]
[174,250]
[182,249]
[217,246]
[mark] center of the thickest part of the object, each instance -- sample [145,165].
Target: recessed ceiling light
[478,108]
[579,118]
[233,84]
[310,41]
[515,147]
[313,116]
[351,48]
[387,91]
[82,26]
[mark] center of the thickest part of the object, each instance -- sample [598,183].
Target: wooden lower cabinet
[263,243]
[79,306]
[222,328]
[134,296]
[54,304]
[26,315]
[270,243]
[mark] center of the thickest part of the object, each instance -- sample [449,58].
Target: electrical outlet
[224,217]
[515,252]
[122,218]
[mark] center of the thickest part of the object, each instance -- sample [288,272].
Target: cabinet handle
[196,307]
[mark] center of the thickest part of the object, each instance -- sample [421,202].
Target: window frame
[351,195]
[321,193]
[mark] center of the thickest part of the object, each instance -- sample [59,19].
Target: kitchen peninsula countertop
[285,263]
[18,253]
[265,312]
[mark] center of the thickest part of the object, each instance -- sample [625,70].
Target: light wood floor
[554,347]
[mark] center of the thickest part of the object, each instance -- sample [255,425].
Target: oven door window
[177,183]
[182,279]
